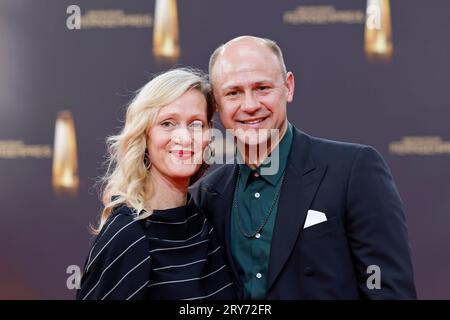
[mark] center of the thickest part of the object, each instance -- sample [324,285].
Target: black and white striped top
[174,254]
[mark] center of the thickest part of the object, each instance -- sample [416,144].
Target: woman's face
[177,139]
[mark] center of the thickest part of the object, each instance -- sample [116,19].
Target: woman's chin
[181,171]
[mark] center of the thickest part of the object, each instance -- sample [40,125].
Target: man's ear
[214,102]
[290,85]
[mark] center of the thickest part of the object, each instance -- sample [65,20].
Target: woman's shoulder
[121,231]
[118,263]
[121,223]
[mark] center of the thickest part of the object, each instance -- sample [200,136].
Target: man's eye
[263,88]
[231,93]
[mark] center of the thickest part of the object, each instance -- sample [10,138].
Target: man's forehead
[244,53]
[245,78]
[245,69]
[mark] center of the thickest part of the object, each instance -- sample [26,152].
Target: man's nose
[250,103]
[182,136]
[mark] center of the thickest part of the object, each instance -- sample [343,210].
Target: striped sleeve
[118,264]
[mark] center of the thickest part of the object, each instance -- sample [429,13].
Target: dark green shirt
[257,193]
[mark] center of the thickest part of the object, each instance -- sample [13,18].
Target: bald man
[328,224]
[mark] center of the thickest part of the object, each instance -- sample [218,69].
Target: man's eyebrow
[230,87]
[237,86]
[258,83]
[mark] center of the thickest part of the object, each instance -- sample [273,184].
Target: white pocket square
[314,217]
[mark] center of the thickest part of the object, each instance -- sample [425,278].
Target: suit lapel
[302,179]
[220,201]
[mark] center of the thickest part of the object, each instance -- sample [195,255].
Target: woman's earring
[147,162]
[209,153]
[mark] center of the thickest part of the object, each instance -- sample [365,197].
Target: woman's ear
[147,162]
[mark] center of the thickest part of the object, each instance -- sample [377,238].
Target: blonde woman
[153,242]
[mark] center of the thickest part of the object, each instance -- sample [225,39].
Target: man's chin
[253,137]
[252,141]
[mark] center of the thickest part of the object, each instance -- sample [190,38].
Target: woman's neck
[165,192]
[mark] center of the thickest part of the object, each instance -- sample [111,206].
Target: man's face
[251,91]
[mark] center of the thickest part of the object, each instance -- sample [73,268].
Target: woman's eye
[167,124]
[197,124]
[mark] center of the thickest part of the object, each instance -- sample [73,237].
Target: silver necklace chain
[266,219]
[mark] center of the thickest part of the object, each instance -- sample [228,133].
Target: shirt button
[258,235]
[256,174]
[308,271]
[257,195]
[259,275]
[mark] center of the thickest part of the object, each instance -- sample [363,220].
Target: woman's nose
[182,136]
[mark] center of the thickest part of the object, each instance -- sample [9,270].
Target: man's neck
[255,155]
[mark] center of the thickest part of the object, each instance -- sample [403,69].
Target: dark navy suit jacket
[365,224]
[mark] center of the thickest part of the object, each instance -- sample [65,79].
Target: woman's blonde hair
[127,163]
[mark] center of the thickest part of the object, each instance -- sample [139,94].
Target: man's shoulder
[211,182]
[215,175]
[322,147]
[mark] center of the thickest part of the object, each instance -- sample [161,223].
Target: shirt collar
[283,151]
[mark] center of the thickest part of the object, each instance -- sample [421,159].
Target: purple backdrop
[45,68]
